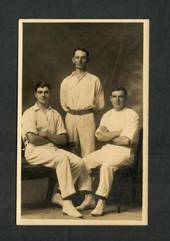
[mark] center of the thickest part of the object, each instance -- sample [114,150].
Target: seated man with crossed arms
[43,130]
[118,129]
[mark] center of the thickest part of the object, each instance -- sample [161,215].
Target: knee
[106,167]
[62,161]
[82,166]
[78,162]
[86,163]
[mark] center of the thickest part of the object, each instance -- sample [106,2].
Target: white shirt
[125,120]
[81,94]
[35,120]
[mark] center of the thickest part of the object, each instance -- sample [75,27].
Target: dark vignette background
[159,168]
[116,56]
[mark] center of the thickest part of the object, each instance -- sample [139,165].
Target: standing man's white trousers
[81,130]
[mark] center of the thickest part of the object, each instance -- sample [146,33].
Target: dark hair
[42,84]
[82,49]
[118,88]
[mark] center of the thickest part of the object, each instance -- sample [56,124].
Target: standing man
[80,95]
[43,130]
[118,129]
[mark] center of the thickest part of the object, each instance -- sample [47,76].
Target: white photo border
[144,220]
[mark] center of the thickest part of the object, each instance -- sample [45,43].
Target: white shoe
[70,210]
[99,209]
[88,203]
[57,199]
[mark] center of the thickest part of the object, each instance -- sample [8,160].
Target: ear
[35,94]
[73,60]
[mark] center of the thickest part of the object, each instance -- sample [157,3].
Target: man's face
[80,59]
[118,99]
[42,95]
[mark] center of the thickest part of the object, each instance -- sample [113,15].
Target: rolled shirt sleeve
[60,128]
[131,128]
[28,123]
[99,95]
[63,96]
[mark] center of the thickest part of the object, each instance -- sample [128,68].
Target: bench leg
[51,185]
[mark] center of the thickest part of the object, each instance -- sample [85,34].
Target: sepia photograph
[82,122]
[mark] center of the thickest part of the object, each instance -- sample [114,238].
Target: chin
[118,108]
[44,102]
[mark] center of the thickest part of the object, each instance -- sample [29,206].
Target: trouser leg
[81,130]
[106,180]
[65,179]
[107,170]
[85,180]
[86,132]
[71,126]
[90,161]
[79,170]
[76,164]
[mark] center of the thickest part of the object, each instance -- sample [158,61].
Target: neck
[80,71]
[119,109]
[43,106]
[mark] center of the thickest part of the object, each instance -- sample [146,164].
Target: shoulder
[67,79]
[107,113]
[93,76]
[29,112]
[131,113]
[56,113]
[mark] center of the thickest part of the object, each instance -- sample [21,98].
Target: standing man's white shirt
[81,94]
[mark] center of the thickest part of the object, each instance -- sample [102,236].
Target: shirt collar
[73,74]
[36,107]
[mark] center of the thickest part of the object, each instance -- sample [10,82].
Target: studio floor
[48,210]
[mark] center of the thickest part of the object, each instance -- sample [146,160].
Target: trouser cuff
[100,197]
[85,191]
[69,197]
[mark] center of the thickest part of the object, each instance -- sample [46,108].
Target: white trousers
[81,130]
[109,158]
[68,166]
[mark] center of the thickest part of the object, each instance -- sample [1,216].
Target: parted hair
[42,84]
[118,88]
[82,49]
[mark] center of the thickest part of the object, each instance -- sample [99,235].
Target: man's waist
[80,112]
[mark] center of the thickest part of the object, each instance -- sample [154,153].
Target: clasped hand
[43,134]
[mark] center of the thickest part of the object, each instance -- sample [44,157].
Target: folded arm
[45,137]
[121,141]
[104,135]
[57,139]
